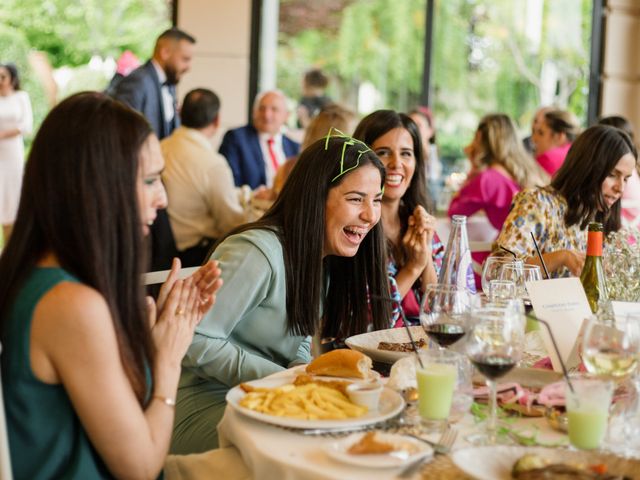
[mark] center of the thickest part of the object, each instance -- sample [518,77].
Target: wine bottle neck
[594,244]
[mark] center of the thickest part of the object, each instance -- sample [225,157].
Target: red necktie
[272,154]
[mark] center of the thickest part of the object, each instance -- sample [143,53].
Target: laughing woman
[587,188]
[317,254]
[414,250]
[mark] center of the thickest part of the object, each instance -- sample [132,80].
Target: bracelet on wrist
[168,401]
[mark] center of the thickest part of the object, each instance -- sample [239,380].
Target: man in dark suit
[151,90]
[255,151]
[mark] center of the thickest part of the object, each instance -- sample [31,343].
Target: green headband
[348,141]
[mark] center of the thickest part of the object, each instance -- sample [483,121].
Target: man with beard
[151,90]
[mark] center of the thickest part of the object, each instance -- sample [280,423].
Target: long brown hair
[79,202]
[298,218]
[500,145]
[592,157]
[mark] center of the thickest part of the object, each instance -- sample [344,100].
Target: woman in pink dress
[500,169]
[15,121]
[552,136]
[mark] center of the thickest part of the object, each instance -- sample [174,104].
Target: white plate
[367,343]
[338,450]
[391,403]
[495,463]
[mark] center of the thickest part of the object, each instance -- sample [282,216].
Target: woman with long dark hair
[414,250]
[587,188]
[89,369]
[314,263]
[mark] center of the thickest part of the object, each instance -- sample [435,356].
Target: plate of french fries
[320,403]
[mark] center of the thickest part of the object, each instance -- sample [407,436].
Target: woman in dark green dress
[89,368]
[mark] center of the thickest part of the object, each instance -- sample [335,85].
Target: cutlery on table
[442,446]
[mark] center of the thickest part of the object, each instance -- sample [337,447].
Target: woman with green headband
[310,264]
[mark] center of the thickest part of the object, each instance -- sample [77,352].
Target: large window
[372,50]
[508,56]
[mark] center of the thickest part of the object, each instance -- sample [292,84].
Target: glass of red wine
[443,313]
[493,345]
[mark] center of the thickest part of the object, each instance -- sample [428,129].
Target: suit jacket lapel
[257,155]
[158,88]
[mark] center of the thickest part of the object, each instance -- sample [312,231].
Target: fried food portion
[401,347]
[309,402]
[369,445]
[339,385]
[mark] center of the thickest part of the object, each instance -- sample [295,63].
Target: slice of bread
[341,363]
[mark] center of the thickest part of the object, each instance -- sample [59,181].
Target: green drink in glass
[437,379]
[588,411]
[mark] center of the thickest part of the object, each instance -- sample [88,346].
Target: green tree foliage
[488,56]
[71,32]
[491,57]
[376,41]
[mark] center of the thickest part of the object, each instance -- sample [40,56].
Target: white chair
[5,458]
[151,278]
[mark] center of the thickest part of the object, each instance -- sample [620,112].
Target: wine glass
[502,290]
[611,348]
[443,313]
[493,345]
[520,274]
[492,269]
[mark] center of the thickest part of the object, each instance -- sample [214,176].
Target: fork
[442,446]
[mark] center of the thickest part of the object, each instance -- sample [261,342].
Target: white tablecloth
[270,452]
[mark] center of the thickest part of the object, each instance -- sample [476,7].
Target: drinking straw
[406,325]
[544,266]
[508,251]
[565,372]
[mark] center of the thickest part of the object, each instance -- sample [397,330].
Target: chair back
[5,458]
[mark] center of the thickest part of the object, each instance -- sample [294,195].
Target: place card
[620,309]
[564,305]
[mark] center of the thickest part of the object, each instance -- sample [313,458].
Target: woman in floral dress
[587,188]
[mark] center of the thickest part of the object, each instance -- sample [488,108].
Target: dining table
[253,449]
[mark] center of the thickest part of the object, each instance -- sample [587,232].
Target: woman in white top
[16,120]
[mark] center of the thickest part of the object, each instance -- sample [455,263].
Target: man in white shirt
[254,152]
[204,204]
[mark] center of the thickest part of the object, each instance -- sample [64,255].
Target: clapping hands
[180,307]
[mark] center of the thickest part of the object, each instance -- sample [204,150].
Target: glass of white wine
[611,348]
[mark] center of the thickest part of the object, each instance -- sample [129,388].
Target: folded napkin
[507,393]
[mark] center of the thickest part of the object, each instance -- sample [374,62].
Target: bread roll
[341,363]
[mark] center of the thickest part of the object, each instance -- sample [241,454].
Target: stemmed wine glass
[492,269]
[493,345]
[443,313]
[520,274]
[611,348]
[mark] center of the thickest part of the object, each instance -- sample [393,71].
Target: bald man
[254,152]
[150,89]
